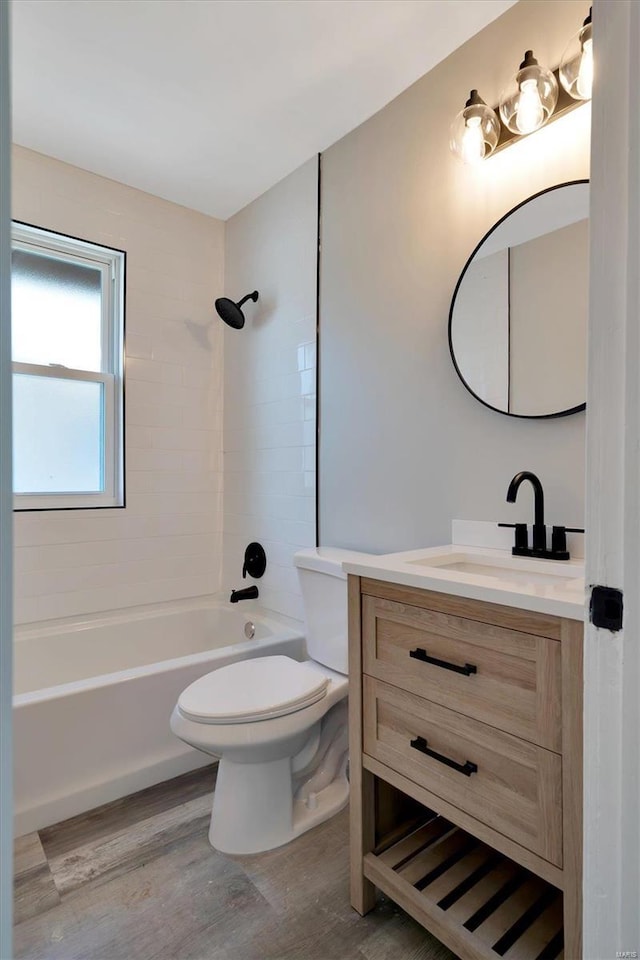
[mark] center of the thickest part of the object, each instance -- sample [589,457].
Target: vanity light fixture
[534,97]
[576,66]
[475,131]
[531,97]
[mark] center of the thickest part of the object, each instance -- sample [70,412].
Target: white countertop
[563,599]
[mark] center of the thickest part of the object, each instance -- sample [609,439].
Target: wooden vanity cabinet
[466,769]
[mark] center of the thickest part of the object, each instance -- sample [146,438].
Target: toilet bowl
[278,726]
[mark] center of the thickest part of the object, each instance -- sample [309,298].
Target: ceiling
[208,103]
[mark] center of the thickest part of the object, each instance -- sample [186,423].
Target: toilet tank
[324,596]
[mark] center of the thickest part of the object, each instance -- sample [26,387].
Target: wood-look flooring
[137,880]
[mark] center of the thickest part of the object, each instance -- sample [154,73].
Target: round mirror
[518,319]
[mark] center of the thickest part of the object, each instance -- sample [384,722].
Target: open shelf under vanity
[466,892]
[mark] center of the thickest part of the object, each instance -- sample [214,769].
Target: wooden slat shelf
[476,900]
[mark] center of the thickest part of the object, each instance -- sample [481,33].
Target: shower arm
[250,296]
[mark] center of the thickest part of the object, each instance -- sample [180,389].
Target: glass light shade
[530,99]
[576,66]
[475,131]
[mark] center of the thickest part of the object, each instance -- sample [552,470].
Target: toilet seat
[251,690]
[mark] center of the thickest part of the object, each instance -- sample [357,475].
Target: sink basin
[492,574]
[518,571]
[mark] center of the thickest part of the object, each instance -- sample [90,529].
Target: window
[67,306]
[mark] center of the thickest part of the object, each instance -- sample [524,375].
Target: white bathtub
[93,697]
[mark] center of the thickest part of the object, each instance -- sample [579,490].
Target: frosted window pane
[57,435]
[56,311]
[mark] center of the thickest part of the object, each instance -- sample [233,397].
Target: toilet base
[254,809]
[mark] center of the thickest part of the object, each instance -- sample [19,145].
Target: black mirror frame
[506,413]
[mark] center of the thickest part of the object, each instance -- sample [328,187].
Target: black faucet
[255,564]
[539,529]
[559,534]
[249,593]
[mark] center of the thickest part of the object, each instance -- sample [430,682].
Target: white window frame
[111,264]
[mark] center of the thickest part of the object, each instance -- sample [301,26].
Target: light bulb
[576,66]
[475,132]
[472,141]
[529,115]
[585,73]
[530,98]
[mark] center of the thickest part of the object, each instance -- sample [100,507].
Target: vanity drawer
[509,784]
[505,678]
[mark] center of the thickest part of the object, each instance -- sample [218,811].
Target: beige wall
[270,386]
[166,544]
[404,447]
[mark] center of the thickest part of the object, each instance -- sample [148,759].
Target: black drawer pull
[420,654]
[467,768]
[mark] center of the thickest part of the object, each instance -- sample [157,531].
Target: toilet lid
[249,690]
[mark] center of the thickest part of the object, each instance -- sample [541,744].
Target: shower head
[231,313]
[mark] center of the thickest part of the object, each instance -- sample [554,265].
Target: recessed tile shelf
[467,894]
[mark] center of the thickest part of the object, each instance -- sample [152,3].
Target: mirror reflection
[518,321]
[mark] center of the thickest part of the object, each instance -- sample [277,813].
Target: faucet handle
[522,535]
[559,537]
[559,540]
[255,561]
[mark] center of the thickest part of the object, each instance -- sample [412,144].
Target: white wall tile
[94,576]
[139,346]
[309,433]
[145,369]
[166,543]
[32,530]
[279,459]
[164,504]
[269,438]
[149,458]
[137,438]
[310,407]
[309,457]
[308,382]
[95,552]
[182,438]
[275,388]
[70,604]
[310,356]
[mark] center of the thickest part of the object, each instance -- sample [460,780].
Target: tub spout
[249,593]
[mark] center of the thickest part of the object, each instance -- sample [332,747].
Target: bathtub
[93,697]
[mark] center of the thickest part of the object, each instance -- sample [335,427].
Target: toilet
[279,726]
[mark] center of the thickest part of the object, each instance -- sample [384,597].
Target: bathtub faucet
[249,593]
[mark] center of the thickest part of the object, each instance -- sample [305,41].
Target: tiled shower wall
[166,544]
[270,385]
